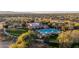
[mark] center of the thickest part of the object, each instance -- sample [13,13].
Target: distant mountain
[37,12]
[9,12]
[47,12]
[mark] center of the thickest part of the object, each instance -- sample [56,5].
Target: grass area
[53,44]
[75,45]
[76,24]
[16,32]
[53,37]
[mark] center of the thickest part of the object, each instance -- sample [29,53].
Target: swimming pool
[48,31]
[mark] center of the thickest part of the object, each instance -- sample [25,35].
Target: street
[4,44]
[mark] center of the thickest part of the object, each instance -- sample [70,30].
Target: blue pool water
[48,31]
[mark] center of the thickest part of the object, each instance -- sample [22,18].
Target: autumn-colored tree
[13,46]
[69,37]
[21,41]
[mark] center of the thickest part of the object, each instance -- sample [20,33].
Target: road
[4,44]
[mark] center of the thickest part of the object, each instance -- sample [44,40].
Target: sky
[39,5]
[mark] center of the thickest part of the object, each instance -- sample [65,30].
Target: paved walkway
[4,44]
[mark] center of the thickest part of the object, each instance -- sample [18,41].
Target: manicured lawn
[53,37]
[16,32]
[53,44]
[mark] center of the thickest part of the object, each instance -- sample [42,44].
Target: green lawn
[53,37]
[16,32]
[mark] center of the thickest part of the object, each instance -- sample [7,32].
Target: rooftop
[34,24]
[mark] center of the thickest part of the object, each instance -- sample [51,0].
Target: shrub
[13,46]
[68,37]
[21,42]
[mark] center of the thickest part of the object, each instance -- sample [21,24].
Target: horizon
[38,12]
